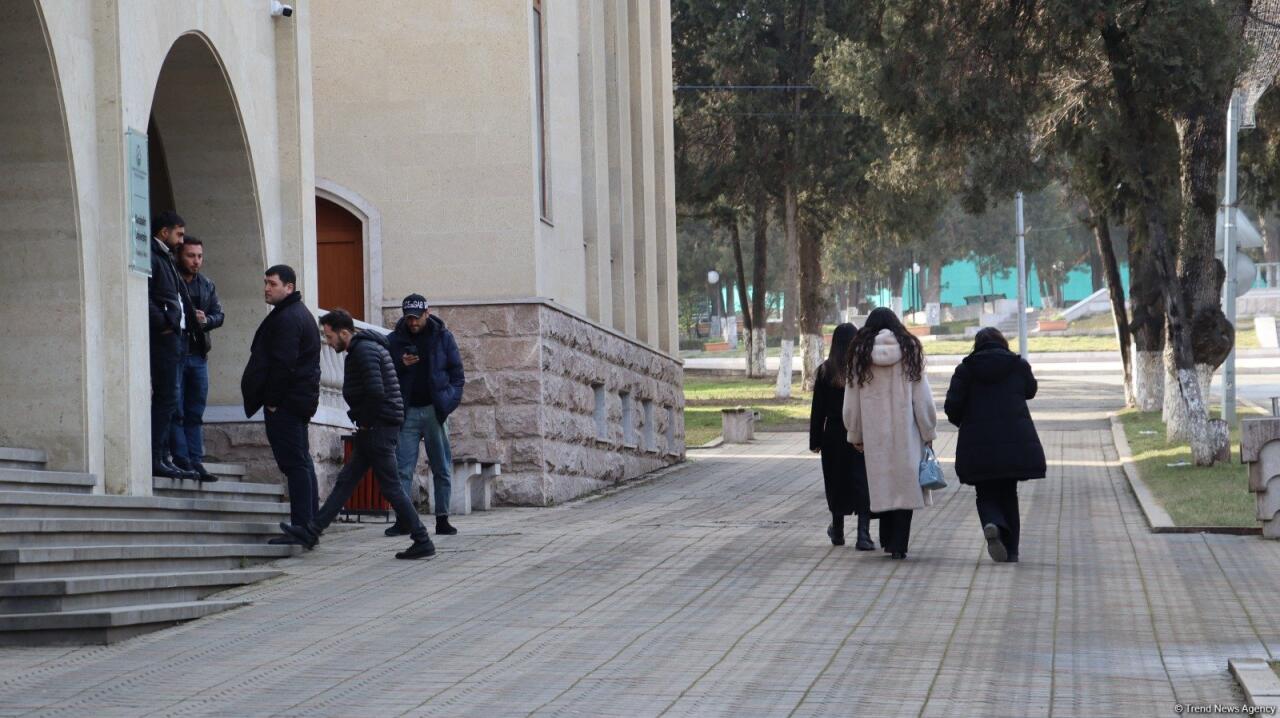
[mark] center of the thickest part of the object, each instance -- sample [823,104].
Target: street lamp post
[1022,279]
[713,278]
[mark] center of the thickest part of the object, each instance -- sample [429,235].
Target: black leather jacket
[204,296]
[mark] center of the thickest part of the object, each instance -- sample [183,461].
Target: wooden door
[340,256]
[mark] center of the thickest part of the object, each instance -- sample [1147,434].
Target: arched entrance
[200,159]
[340,258]
[42,390]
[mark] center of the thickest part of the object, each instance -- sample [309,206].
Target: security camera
[279,9]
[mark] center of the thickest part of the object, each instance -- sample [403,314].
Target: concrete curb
[1260,684]
[713,444]
[1157,518]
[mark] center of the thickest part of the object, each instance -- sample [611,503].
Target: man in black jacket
[187,436]
[372,391]
[431,377]
[170,314]
[283,377]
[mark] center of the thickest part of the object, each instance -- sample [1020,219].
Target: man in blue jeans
[187,437]
[431,379]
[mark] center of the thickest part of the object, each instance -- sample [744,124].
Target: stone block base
[567,406]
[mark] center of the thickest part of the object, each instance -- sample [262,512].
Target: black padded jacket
[370,385]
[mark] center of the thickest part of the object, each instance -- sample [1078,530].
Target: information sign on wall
[139,220]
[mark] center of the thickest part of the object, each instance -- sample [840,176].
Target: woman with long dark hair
[998,445]
[844,469]
[890,417]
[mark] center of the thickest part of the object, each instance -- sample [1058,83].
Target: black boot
[443,527]
[836,530]
[864,534]
[202,473]
[307,536]
[161,466]
[396,529]
[995,546]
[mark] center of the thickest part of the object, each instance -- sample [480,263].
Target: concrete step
[17,564]
[22,458]
[102,625]
[27,479]
[234,472]
[237,490]
[51,532]
[82,593]
[31,504]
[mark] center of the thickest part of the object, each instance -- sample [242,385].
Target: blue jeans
[420,424]
[187,436]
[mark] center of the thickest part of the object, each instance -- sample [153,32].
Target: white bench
[472,485]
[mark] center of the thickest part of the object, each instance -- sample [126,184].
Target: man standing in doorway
[283,377]
[372,391]
[187,438]
[431,380]
[170,314]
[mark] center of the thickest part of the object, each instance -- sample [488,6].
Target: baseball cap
[414,305]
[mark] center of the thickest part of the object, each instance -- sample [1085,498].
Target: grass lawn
[1217,495]
[1246,338]
[704,398]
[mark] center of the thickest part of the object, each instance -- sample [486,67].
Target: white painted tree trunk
[784,371]
[811,354]
[756,358]
[1148,380]
[1177,413]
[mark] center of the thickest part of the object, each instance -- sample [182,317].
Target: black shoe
[162,468]
[181,463]
[202,474]
[419,549]
[897,555]
[864,535]
[837,537]
[1013,558]
[305,535]
[396,530]
[443,528]
[995,547]
[285,540]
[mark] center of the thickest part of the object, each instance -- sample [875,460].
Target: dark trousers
[187,437]
[166,363]
[998,504]
[287,435]
[373,448]
[895,530]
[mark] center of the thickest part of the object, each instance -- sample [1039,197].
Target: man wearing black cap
[431,380]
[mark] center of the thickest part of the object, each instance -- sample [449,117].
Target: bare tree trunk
[791,237]
[1270,238]
[1147,322]
[1201,137]
[1097,270]
[1109,269]
[813,305]
[756,351]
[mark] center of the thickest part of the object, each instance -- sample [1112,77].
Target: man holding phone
[431,380]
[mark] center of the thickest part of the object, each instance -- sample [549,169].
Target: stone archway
[42,360]
[199,134]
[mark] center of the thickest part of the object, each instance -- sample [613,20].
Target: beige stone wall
[531,401]
[424,112]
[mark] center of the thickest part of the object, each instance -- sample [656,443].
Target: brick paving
[712,590]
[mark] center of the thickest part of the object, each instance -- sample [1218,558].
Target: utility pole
[1229,257]
[1022,279]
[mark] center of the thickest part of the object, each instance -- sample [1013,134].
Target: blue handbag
[931,471]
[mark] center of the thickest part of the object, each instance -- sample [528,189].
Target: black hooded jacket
[988,401]
[370,385]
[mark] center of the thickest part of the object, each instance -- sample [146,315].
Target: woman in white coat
[890,417]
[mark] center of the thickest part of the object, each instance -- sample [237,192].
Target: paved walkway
[712,590]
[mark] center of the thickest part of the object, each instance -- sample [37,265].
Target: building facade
[110,109]
[512,161]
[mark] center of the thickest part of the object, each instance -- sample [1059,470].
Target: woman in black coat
[844,468]
[998,445]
